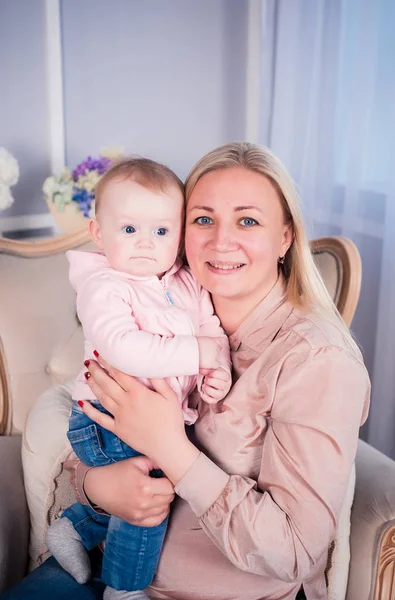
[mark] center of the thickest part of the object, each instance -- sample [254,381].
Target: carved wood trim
[4,395]
[347,253]
[385,578]
[44,247]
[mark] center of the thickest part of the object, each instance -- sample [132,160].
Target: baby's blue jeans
[131,553]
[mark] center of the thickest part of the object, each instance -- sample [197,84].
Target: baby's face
[139,229]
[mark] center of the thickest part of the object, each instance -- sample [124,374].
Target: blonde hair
[304,284]
[148,173]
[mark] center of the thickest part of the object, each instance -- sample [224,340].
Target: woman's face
[235,233]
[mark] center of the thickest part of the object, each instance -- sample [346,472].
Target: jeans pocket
[88,446]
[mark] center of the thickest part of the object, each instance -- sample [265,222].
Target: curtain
[328,111]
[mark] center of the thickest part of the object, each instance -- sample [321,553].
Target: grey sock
[66,546]
[111,594]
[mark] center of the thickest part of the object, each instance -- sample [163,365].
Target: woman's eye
[203,221]
[128,229]
[248,222]
[160,231]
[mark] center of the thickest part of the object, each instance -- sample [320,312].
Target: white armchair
[41,346]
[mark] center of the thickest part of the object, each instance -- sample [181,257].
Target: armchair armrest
[372,566]
[14,518]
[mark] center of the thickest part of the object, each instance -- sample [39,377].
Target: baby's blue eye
[203,221]
[129,229]
[248,222]
[160,231]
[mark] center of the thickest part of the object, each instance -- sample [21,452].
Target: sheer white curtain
[328,111]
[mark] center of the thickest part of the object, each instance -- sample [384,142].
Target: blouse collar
[264,322]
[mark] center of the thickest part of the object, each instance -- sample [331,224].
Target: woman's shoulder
[314,332]
[326,367]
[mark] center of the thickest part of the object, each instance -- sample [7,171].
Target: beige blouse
[257,510]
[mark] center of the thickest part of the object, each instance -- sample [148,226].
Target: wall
[163,79]
[23,110]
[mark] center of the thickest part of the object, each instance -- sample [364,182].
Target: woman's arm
[124,489]
[282,524]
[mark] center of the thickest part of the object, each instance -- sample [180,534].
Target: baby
[143,311]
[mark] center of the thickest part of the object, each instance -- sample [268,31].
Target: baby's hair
[144,171]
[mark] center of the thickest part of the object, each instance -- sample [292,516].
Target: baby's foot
[111,594]
[66,546]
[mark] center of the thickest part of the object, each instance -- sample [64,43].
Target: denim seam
[141,556]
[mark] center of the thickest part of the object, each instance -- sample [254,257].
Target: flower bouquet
[71,194]
[9,175]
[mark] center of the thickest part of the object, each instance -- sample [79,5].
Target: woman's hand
[126,490]
[149,421]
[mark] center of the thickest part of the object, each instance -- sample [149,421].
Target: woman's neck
[233,311]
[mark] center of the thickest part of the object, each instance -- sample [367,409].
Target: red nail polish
[87,363]
[95,352]
[87,375]
[80,403]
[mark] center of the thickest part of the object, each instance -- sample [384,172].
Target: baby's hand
[209,350]
[216,385]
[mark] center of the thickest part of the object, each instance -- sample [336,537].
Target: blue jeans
[132,553]
[51,582]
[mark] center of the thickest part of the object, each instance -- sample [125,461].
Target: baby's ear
[95,233]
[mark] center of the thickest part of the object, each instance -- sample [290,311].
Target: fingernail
[87,363]
[95,352]
[80,403]
[87,375]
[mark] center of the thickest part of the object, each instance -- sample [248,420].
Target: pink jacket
[144,326]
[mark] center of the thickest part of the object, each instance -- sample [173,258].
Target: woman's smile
[224,268]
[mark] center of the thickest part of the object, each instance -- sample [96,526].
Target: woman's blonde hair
[305,287]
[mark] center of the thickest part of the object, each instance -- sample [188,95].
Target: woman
[261,484]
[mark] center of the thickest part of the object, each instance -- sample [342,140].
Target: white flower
[9,169]
[88,181]
[65,175]
[53,186]
[6,199]
[49,186]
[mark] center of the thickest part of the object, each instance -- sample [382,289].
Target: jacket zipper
[167,294]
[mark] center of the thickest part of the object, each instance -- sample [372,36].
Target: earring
[281,260]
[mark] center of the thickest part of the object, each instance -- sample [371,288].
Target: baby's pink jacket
[144,326]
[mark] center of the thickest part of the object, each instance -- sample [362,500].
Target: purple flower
[99,164]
